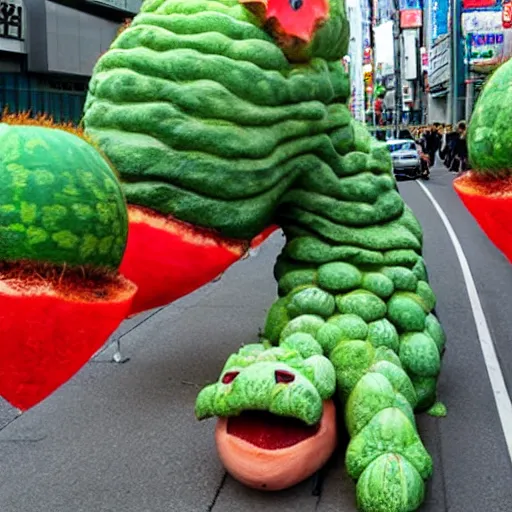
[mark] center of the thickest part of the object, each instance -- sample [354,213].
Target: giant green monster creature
[228,117]
[223,117]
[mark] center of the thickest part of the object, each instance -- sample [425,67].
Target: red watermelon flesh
[169,259]
[293,18]
[51,323]
[489,200]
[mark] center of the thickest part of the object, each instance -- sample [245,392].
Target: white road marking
[501,396]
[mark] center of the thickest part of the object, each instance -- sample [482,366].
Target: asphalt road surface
[123,437]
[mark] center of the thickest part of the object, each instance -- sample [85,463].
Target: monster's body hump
[205,118]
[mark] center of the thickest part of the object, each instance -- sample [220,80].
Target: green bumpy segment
[204,117]
[490,131]
[60,202]
[352,277]
[254,384]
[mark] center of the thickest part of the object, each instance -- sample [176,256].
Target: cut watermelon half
[168,258]
[51,323]
[489,200]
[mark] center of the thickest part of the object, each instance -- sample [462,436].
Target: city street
[123,437]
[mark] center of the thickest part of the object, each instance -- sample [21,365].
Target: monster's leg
[371,358]
[362,292]
[371,355]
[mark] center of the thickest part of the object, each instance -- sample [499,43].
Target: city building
[48,50]
[355,61]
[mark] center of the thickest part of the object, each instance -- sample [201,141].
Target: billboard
[488,44]
[439,65]
[439,10]
[384,57]
[439,56]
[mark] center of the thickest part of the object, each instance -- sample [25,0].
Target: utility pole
[398,65]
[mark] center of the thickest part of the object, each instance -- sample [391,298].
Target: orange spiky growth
[126,24]
[44,120]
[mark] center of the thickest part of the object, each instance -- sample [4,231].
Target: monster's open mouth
[271,452]
[270,431]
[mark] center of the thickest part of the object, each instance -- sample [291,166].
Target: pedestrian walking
[447,152]
[461,149]
[431,142]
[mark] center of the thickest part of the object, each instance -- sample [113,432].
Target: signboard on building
[12,26]
[411,13]
[411,18]
[479,4]
[439,65]
[439,11]
[506,14]
[12,20]
[488,44]
[424,58]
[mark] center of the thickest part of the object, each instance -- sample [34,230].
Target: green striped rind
[205,119]
[60,202]
[255,388]
[490,131]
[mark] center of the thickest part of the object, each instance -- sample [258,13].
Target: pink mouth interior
[269,431]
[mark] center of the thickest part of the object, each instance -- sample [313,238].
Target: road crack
[217,492]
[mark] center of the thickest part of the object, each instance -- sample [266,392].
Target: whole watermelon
[60,202]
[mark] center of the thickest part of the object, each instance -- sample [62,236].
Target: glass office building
[48,50]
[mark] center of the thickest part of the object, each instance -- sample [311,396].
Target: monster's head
[275,420]
[305,28]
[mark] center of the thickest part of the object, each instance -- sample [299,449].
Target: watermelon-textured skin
[205,118]
[314,380]
[60,202]
[490,131]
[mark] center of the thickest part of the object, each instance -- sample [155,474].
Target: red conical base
[49,330]
[490,202]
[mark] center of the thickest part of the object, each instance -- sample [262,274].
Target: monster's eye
[229,377]
[284,377]
[296,4]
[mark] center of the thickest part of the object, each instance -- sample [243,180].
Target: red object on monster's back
[490,202]
[298,18]
[168,259]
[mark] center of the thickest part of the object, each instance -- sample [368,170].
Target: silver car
[406,158]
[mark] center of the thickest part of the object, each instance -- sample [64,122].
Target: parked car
[406,158]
